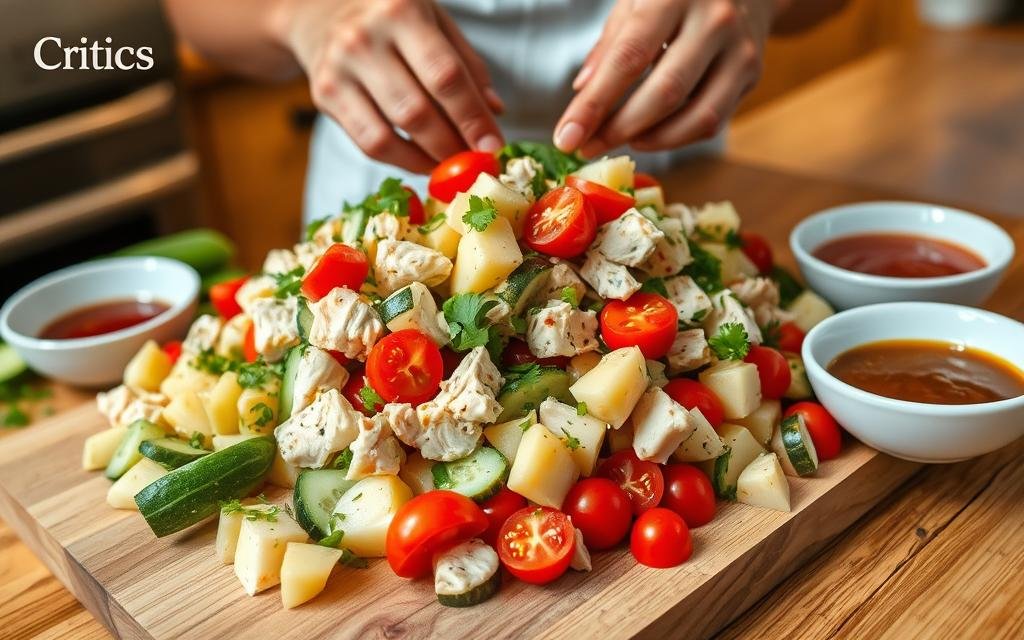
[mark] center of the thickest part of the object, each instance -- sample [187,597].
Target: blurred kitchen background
[93,161]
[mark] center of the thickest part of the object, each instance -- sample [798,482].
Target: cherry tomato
[758,250]
[688,492]
[694,395]
[640,479]
[536,544]
[661,539]
[249,344]
[498,508]
[562,223]
[173,349]
[416,213]
[601,510]
[772,369]
[641,180]
[451,361]
[518,352]
[608,204]
[645,320]
[429,523]
[222,297]
[458,173]
[339,357]
[791,337]
[405,366]
[824,430]
[351,391]
[339,266]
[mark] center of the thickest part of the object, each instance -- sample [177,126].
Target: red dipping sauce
[104,317]
[898,255]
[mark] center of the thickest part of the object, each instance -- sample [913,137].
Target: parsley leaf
[466,315]
[789,287]
[706,269]
[572,443]
[197,440]
[288,283]
[391,197]
[432,225]
[556,164]
[343,460]
[253,513]
[569,295]
[371,399]
[208,361]
[655,285]
[333,540]
[731,342]
[255,375]
[481,213]
[314,226]
[581,408]
[264,414]
[521,375]
[350,559]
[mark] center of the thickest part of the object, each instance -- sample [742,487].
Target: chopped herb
[733,240]
[288,283]
[481,213]
[521,375]
[433,224]
[572,443]
[466,315]
[350,559]
[267,513]
[525,425]
[518,324]
[15,417]
[569,295]
[556,164]
[255,375]
[655,285]
[315,226]
[264,414]
[371,399]
[789,287]
[581,408]
[731,342]
[208,361]
[333,540]
[344,459]
[706,269]
[391,197]
[197,440]
[698,315]
[357,497]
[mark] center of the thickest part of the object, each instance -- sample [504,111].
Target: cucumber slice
[474,596]
[524,284]
[127,453]
[799,384]
[171,452]
[479,475]
[523,395]
[11,364]
[287,393]
[304,319]
[396,304]
[794,446]
[353,225]
[466,574]
[194,492]
[317,492]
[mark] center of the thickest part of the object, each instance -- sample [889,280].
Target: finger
[476,65]
[616,18]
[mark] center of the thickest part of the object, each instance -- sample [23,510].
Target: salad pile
[539,361]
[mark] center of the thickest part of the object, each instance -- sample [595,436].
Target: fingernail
[492,97]
[582,76]
[490,142]
[569,136]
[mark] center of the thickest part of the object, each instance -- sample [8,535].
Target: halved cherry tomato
[608,204]
[518,352]
[641,180]
[405,366]
[498,508]
[688,492]
[561,224]
[536,544]
[351,391]
[772,369]
[791,337]
[601,510]
[694,395]
[416,213]
[451,361]
[825,432]
[758,250]
[645,320]
[222,297]
[339,266]
[249,344]
[661,539]
[458,173]
[429,523]
[173,349]
[640,479]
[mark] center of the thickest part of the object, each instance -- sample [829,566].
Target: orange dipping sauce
[101,318]
[928,371]
[898,255]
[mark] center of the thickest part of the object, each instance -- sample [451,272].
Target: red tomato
[661,539]
[758,250]
[451,361]
[641,180]
[518,352]
[405,366]
[688,492]
[498,508]
[416,213]
[645,320]
[824,430]
[458,173]
[427,524]
[791,338]
[562,223]
[640,479]
[772,369]
[222,297]
[536,544]
[173,349]
[249,344]
[339,357]
[356,382]
[694,395]
[339,266]
[608,204]
[601,510]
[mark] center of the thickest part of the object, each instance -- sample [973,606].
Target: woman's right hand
[379,66]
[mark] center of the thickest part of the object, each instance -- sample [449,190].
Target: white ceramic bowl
[913,430]
[847,289]
[98,360]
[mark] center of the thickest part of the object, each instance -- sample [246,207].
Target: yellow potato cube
[612,388]
[260,550]
[221,404]
[147,368]
[615,173]
[416,472]
[367,509]
[544,469]
[100,447]
[509,203]
[762,421]
[228,527]
[186,414]
[505,436]
[586,432]
[257,410]
[304,572]
[223,442]
[737,386]
[121,494]
[443,239]
[485,258]
[283,474]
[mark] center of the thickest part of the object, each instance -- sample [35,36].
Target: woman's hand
[702,57]
[379,66]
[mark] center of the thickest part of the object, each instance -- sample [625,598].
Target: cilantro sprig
[706,269]
[481,213]
[265,511]
[569,295]
[288,283]
[251,375]
[556,164]
[468,326]
[371,399]
[730,342]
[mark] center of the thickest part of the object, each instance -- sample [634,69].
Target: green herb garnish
[481,213]
[731,342]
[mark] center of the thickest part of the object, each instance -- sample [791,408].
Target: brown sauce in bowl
[103,317]
[898,255]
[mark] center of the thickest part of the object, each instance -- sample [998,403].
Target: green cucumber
[792,442]
[287,393]
[479,475]
[194,492]
[353,225]
[317,492]
[799,384]
[522,395]
[11,364]
[304,319]
[524,284]
[205,250]
[399,302]
[171,452]
[127,453]
[474,596]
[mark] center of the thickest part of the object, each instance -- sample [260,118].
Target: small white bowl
[847,289]
[98,360]
[913,430]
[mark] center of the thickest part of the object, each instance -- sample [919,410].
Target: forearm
[793,16]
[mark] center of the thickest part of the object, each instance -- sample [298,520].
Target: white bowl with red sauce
[921,431]
[82,324]
[875,252]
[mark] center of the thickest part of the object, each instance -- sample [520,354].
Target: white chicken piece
[562,276]
[385,226]
[683,214]
[326,233]
[399,263]
[122,406]
[344,322]
[761,295]
[660,425]
[307,253]
[671,253]
[557,329]
[690,301]
[464,567]
[438,437]
[469,394]
[629,240]
[520,174]
[498,313]
[280,261]
[256,287]
[317,372]
[231,340]
[202,335]
[311,436]
[689,351]
[729,310]
[609,279]
[274,327]
[376,451]
[580,554]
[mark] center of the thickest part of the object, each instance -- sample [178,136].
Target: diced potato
[228,527]
[737,386]
[443,239]
[186,414]
[148,368]
[544,469]
[221,404]
[735,264]
[257,410]
[367,509]
[416,472]
[283,474]
[612,388]
[650,197]
[763,484]
[509,203]
[260,550]
[564,420]
[615,173]
[485,258]
[304,572]
[660,426]
[121,494]
[725,470]
[582,363]
[100,447]
[223,442]
[453,213]
[763,420]
[703,443]
[717,219]
[621,438]
[809,309]
[505,436]
[184,378]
